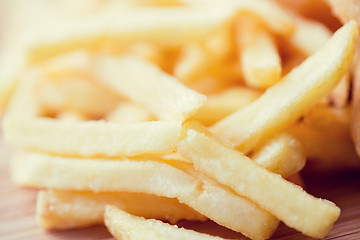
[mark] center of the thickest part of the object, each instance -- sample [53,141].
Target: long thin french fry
[123,225]
[286,101]
[282,154]
[285,200]
[148,85]
[177,180]
[71,209]
[258,54]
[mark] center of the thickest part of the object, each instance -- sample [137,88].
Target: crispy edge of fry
[282,154]
[288,202]
[69,209]
[259,58]
[147,84]
[310,81]
[123,225]
[177,180]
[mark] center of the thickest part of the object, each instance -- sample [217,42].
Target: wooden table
[17,210]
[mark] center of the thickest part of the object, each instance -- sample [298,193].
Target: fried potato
[309,35]
[70,209]
[286,101]
[122,225]
[194,189]
[127,112]
[258,55]
[355,115]
[340,96]
[273,15]
[146,84]
[345,10]
[283,199]
[220,105]
[76,94]
[23,128]
[282,154]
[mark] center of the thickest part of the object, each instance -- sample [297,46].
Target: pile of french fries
[126,111]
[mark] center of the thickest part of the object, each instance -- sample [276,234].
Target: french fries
[178,109]
[71,209]
[125,226]
[201,193]
[301,89]
[284,200]
[258,55]
[168,99]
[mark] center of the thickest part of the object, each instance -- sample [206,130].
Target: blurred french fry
[76,94]
[23,128]
[286,101]
[339,97]
[284,200]
[148,85]
[201,193]
[270,13]
[309,35]
[224,103]
[71,209]
[282,154]
[345,10]
[355,115]
[258,55]
[324,134]
[127,112]
[123,225]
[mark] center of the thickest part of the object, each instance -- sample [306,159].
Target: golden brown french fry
[285,102]
[178,180]
[148,85]
[286,201]
[282,154]
[258,54]
[71,209]
[222,104]
[122,225]
[273,15]
[127,112]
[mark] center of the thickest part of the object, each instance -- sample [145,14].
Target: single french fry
[106,28]
[76,94]
[194,61]
[355,115]
[257,51]
[272,14]
[286,201]
[127,112]
[327,150]
[178,180]
[146,84]
[224,103]
[345,10]
[122,225]
[309,35]
[286,101]
[70,209]
[282,154]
